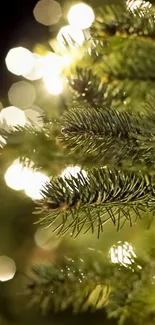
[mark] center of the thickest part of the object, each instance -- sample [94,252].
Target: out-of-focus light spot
[47,12]
[33,117]
[52,65]
[53,84]
[133,5]
[12,116]
[34,184]
[123,254]
[7,268]
[81,16]
[22,94]
[19,61]
[36,109]
[16,176]
[44,238]
[70,35]
[37,69]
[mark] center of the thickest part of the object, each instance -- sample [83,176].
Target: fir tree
[104,124]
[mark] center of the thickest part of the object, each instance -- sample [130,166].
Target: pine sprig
[74,284]
[110,136]
[122,19]
[88,202]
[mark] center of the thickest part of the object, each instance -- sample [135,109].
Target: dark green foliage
[88,202]
[111,137]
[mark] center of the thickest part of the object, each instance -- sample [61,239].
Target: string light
[7,268]
[47,12]
[81,16]
[19,61]
[70,34]
[22,94]
[123,254]
[12,116]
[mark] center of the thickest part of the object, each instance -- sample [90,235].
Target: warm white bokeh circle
[12,116]
[70,33]
[34,184]
[81,16]
[16,176]
[47,12]
[22,94]
[44,238]
[37,69]
[33,117]
[7,268]
[54,85]
[19,61]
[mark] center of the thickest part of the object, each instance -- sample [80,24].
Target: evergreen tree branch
[73,204]
[109,136]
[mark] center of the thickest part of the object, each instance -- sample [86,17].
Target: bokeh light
[122,253]
[54,85]
[44,238]
[34,184]
[47,12]
[37,69]
[7,268]
[22,94]
[16,176]
[52,65]
[81,16]
[70,35]
[12,116]
[34,117]
[19,61]
[73,171]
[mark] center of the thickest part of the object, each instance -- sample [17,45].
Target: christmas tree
[79,228]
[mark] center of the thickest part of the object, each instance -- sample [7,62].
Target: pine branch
[88,202]
[78,285]
[122,19]
[108,136]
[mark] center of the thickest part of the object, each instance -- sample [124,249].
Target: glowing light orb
[47,12]
[81,16]
[69,33]
[44,238]
[123,254]
[33,117]
[22,94]
[37,69]
[19,61]
[52,65]
[16,176]
[34,184]
[12,116]
[54,85]
[7,268]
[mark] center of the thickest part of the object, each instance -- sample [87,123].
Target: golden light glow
[22,94]
[25,178]
[53,84]
[7,268]
[52,65]
[70,34]
[34,184]
[19,61]
[16,176]
[81,16]
[37,69]
[12,116]
[123,254]
[47,12]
